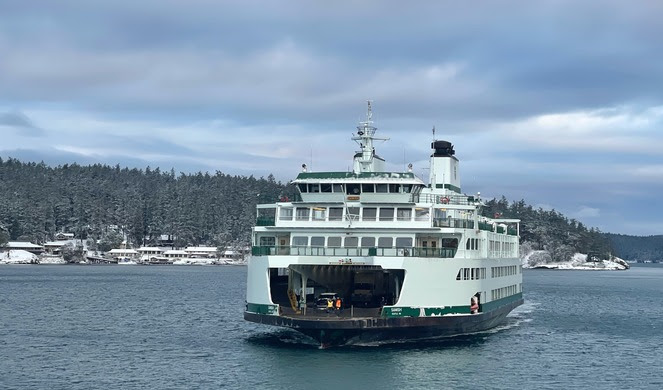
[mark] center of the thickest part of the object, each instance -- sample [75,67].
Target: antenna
[403,158]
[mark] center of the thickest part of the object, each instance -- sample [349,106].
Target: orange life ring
[445,200]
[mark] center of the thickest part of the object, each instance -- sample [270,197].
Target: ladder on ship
[293,301]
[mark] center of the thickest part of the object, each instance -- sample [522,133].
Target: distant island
[579,261]
[642,249]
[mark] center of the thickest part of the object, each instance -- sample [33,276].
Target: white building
[54,247]
[25,246]
[175,254]
[117,253]
[149,252]
[64,236]
[201,251]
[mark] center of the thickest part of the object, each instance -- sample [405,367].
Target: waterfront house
[25,246]
[148,253]
[175,254]
[205,252]
[54,247]
[62,236]
[118,253]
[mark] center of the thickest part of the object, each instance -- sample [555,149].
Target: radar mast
[365,157]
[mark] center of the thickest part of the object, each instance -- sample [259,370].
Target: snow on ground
[195,261]
[17,256]
[51,260]
[542,259]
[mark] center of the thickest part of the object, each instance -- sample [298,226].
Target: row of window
[503,292]
[506,270]
[345,242]
[502,249]
[471,274]
[501,246]
[355,188]
[472,244]
[321,213]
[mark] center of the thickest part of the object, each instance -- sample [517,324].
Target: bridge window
[370,213]
[352,188]
[421,214]
[367,242]
[319,213]
[385,242]
[302,213]
[404,214]
[338,187]
[325,187]
[394,188]
[351,242]
[303,187]
[353,213]
[314,187]
[336,213]
[382,188]
[286,214]
[367,188]
[403,242]
[386,214]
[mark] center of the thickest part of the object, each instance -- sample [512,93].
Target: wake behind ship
[371,255]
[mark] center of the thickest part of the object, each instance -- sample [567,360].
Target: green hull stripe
[424,311]
[258,308]
[440,311]
[490,306]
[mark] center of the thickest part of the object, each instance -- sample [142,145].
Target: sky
[558,103]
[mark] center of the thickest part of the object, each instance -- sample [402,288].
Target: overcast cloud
[556,102]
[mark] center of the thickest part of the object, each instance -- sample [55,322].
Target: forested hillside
[36,201]
[97,201]
[550,230]
[636,248]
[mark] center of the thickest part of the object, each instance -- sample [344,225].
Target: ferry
[369,255]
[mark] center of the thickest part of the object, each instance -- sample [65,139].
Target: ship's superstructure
[402,258]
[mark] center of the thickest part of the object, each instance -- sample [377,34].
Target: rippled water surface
[82,327]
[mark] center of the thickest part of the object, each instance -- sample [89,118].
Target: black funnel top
[442,149]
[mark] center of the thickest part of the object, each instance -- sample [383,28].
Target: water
[83,327]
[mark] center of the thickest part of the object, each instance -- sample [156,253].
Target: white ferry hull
[431,304]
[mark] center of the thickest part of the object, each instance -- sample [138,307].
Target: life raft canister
[443,200]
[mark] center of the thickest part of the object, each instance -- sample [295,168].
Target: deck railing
[359,252]
[265,221]
[463,200]
[453,223]
[486,226]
